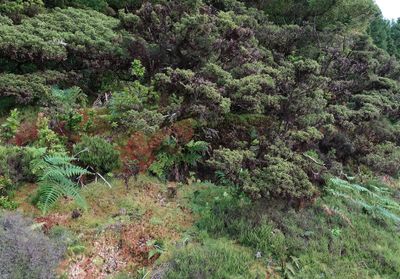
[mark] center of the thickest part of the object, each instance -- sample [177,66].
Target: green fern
[374,200]
[56,174]
[173,156]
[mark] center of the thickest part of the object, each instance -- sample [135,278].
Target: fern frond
[58,160]
[373,200]
[49,193]
[55,181]
[72,170]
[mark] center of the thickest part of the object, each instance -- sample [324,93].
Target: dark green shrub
[25,252]
[284,179]
[385,158]
[15,163]
[98,154]
[133,107]
[230,162]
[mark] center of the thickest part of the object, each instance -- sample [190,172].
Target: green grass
[214,259]
[332,239]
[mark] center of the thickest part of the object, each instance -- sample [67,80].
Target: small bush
[133,108]
[26,252]
[47,137]
[7,203]
[285,179]
[10,127]
[98,154]
[15,163]
[230,163]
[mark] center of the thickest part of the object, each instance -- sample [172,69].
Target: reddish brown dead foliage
[142,149]
[52,220]
[183,130]
[27,133]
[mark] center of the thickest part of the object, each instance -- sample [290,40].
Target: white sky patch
[390,8]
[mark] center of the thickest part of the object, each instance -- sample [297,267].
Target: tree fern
[56,174]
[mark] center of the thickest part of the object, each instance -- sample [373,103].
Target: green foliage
[286,179]
[7,203]
[15,165]
[98,154]
[385,158]
[5,184]
[47,38]
[29,88]
[133,108]
[137,69]
[174,160]
[230,163]
[10,126]
[47,138]
[376,201]
[71,97]
[56,175]
[386,34]
[325,13]
[17,9]
[213,259]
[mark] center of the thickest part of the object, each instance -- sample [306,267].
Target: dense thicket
[283,92]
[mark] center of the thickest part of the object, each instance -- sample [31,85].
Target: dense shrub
[133,108]
[25,252]
[385,158]
[230,163]
[285,179]
[98,154]
[15,163]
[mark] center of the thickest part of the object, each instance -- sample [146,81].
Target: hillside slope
[200,138]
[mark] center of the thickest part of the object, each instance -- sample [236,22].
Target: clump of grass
[213,259]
